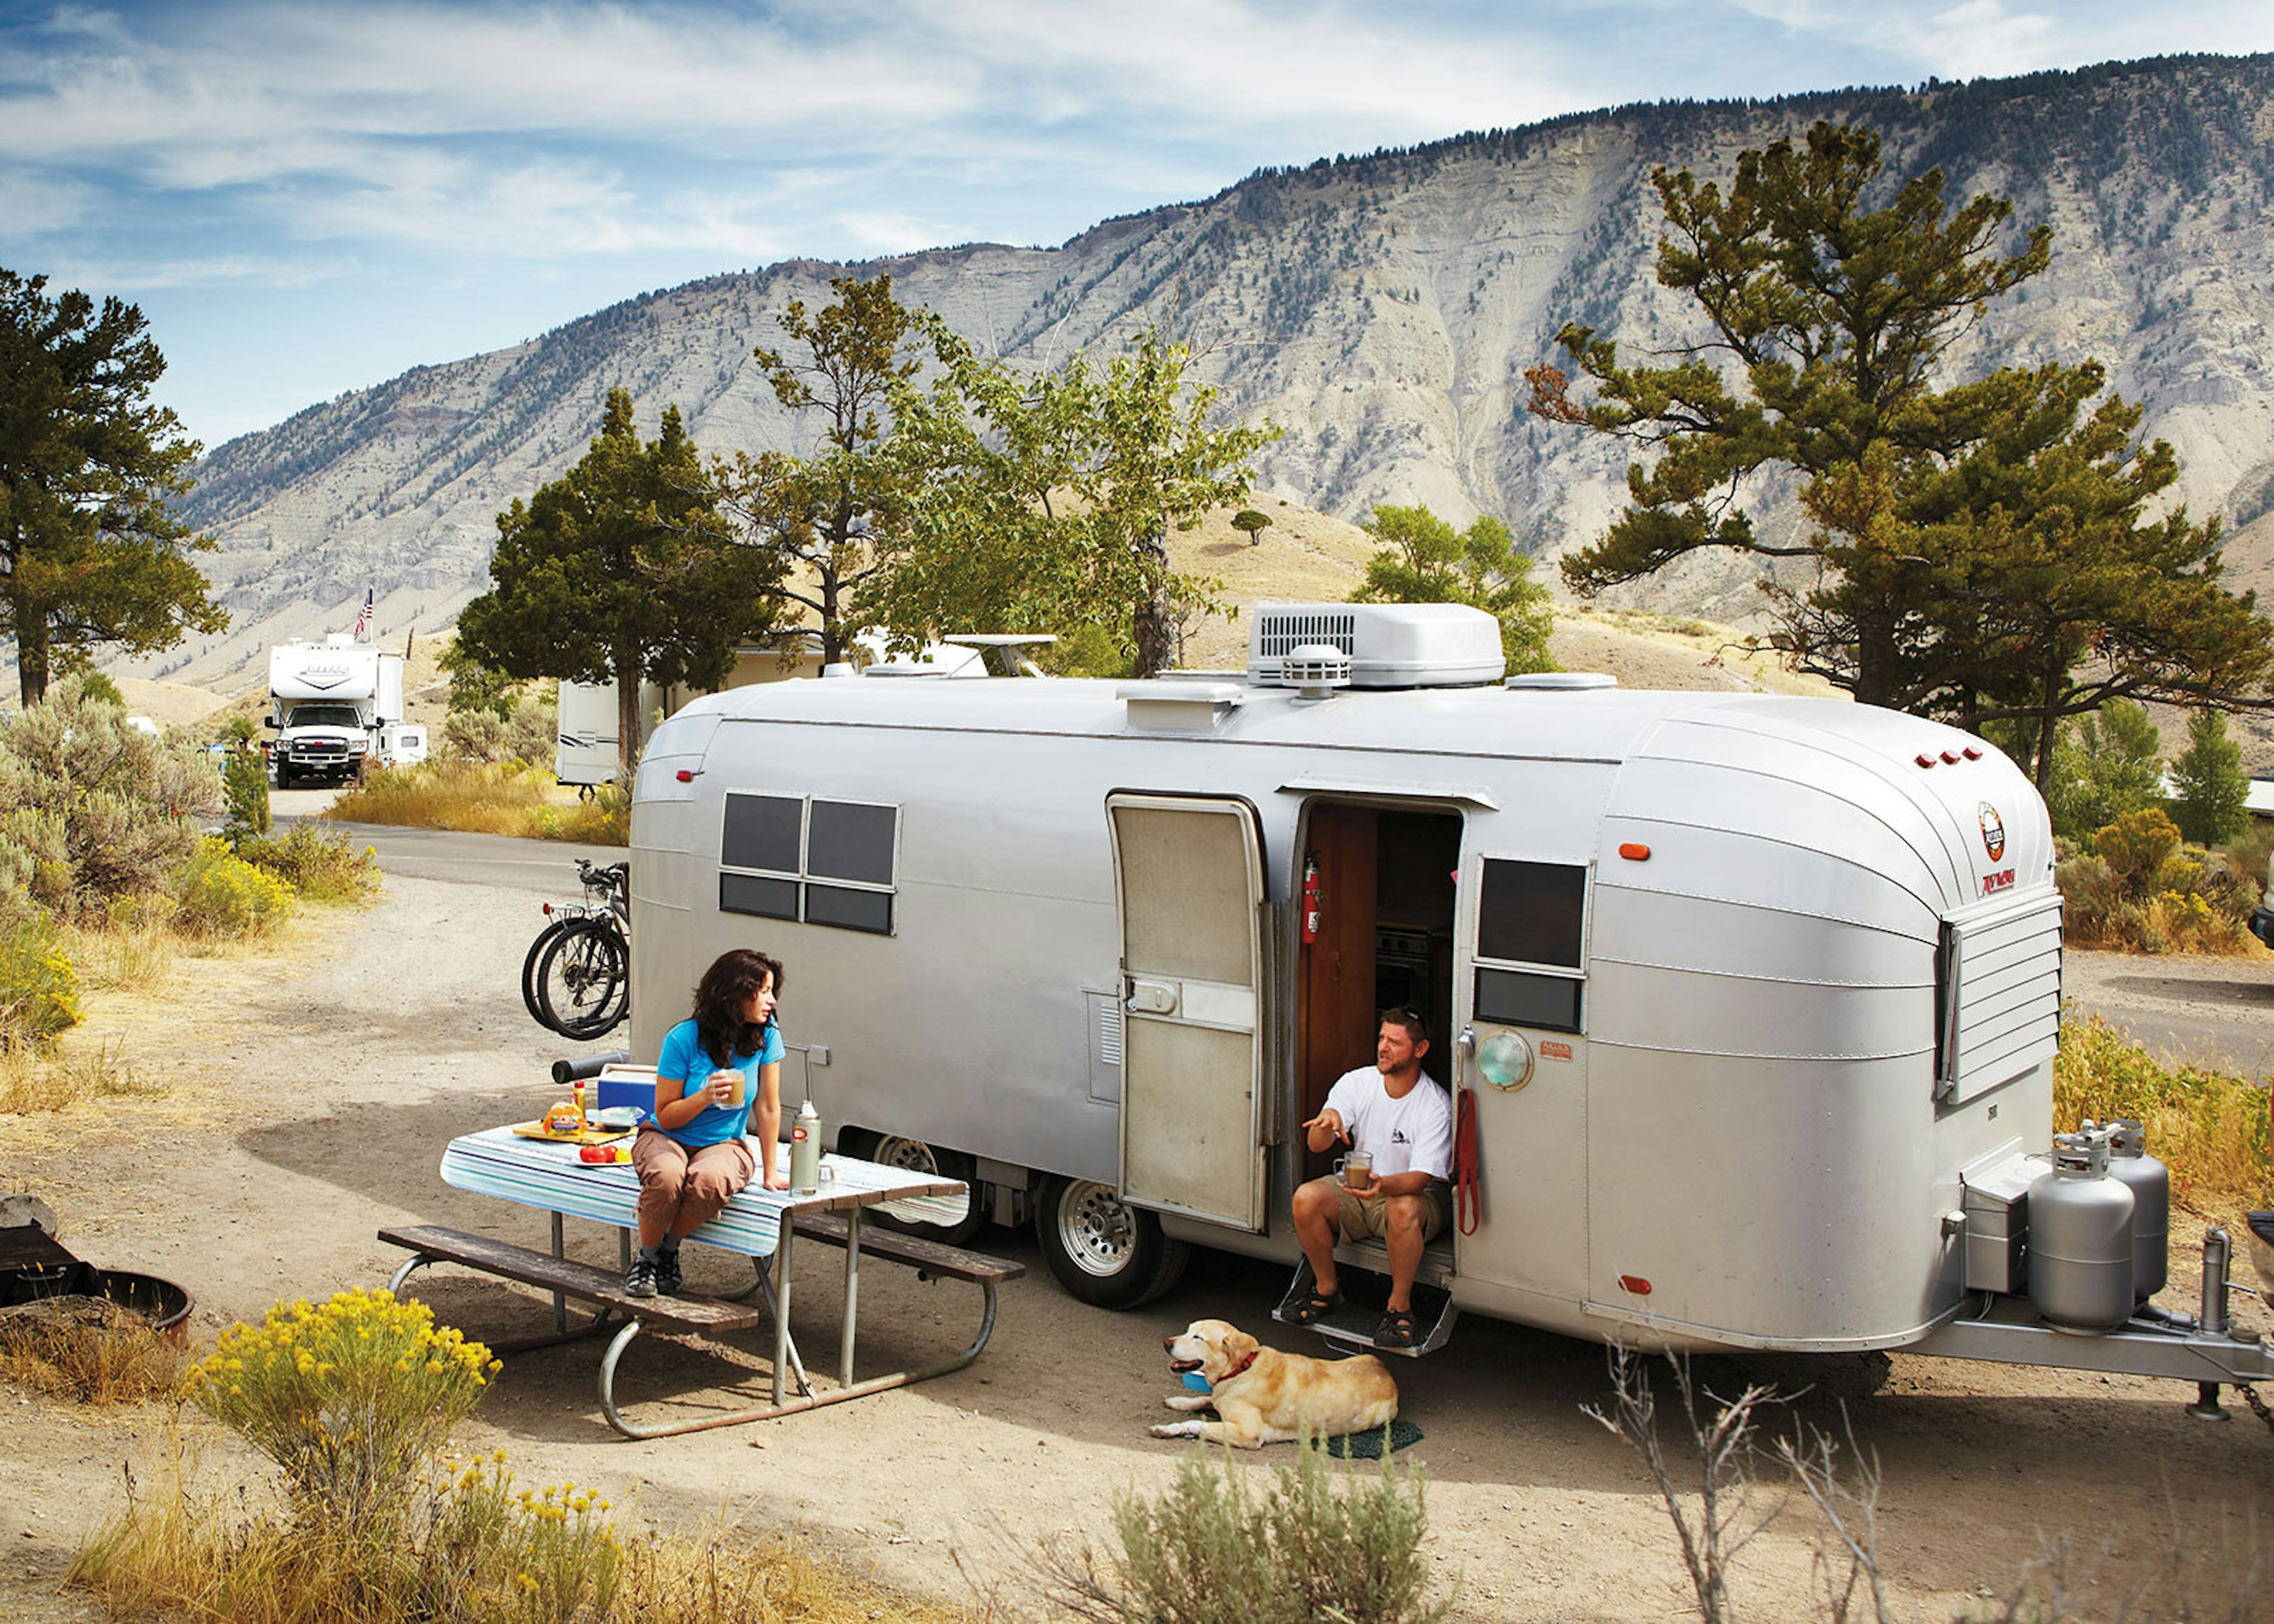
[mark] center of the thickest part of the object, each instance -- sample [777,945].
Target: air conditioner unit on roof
[1389,645]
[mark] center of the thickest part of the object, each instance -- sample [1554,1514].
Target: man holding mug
[1400,1120]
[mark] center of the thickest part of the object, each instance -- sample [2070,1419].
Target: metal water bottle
[805,1150]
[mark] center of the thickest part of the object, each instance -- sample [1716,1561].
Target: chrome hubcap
[1096,1228]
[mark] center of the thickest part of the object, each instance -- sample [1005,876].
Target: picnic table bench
[542,1175]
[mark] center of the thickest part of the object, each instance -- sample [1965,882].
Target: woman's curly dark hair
[722,996]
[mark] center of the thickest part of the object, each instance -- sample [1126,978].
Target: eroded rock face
[1382,310]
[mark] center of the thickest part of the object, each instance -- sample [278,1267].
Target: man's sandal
[1396,1329]
[1314,1308]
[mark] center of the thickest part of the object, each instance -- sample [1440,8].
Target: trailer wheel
[1104,1251]
[914,1155]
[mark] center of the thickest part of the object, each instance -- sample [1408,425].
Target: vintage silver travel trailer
[1752,1000]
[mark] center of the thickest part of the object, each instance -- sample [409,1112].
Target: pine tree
[1983,550]
[2211,790]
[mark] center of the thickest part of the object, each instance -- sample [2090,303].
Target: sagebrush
[1216,1549]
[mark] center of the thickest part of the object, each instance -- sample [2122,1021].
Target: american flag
[363,618]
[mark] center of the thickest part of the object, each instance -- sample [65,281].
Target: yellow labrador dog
[1267,1397]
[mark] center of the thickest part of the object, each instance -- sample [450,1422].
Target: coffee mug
[1356,1169]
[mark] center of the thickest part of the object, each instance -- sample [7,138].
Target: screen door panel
[1188,875]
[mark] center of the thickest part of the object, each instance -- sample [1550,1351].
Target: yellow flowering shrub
[549,1554]
[349,1398]
[219,894]
[38,989]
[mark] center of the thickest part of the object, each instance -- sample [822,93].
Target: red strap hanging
[1468,1200]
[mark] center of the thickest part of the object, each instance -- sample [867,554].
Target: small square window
[761,832]
[1532,912]
[850,841]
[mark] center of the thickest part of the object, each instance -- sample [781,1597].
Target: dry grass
[88,1350]
[483,798]
[179,1551]
[135,952]
[72,1075]
[2211,1130]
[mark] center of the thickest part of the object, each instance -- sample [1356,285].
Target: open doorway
[1384,937]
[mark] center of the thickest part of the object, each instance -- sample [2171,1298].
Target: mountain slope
[1380,309]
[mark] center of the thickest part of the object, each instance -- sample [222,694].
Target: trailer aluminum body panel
[1734,932]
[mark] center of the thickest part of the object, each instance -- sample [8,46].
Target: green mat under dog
[1368,1446]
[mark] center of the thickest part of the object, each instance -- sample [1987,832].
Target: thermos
[805,1150]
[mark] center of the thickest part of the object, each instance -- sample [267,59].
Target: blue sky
[309,198]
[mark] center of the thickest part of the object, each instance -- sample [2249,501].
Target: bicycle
[576,978]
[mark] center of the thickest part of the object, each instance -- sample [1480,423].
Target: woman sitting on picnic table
[717,1077]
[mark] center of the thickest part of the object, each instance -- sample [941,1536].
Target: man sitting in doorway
[1401,1117]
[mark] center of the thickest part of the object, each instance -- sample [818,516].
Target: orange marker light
[1635,851]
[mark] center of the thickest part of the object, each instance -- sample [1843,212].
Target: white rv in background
[337,705]
[1750,1002]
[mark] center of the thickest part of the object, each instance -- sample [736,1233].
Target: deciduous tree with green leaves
[91,551]
[1983,548]
[1044,500]
[2212,791]
[1254,523]
[819,518]
[621,570]
[1426,561]
[2106,766]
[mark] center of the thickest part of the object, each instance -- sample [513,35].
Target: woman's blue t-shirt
[683,1056]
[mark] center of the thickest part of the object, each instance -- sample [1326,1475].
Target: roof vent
[1387,645]
[1561,682]
[1317,668]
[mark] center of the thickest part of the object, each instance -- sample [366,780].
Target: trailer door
[1188,884]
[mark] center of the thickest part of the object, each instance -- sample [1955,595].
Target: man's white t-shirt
[1402,1135]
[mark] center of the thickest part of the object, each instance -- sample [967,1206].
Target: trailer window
[762,832]
[1532,912]
[823,862]
[1520,999]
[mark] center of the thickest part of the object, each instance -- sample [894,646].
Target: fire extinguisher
[1310,896]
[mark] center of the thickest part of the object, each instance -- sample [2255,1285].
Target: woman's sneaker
[641,1281]
[668,1279]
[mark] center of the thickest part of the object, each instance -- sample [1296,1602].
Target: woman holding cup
[717,1077]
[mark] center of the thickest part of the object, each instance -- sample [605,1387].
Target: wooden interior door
[1334,1024]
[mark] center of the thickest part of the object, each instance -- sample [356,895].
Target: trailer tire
[894,1151]
[1103,1251]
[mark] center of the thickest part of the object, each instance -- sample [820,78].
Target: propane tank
[2081,1238]
[2150,1184]
[805,1150]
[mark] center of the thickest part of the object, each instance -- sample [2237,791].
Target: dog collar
[1240,1369]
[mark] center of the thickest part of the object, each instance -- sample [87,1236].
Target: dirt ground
[311,1092]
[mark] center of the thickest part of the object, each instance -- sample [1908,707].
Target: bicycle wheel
[584,979]
[529,969]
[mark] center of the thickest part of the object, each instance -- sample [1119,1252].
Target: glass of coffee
[1357,1170]
[732,1078]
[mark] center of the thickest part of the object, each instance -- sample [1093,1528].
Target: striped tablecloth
[547,1176]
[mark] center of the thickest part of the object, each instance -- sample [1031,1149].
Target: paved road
[2217,1012]
[446,854]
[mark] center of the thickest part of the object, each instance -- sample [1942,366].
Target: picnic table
[759,1223]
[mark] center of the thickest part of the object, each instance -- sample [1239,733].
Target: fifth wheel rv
[1751,1001]
[336,705]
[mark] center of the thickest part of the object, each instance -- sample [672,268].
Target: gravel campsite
[300,1101]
